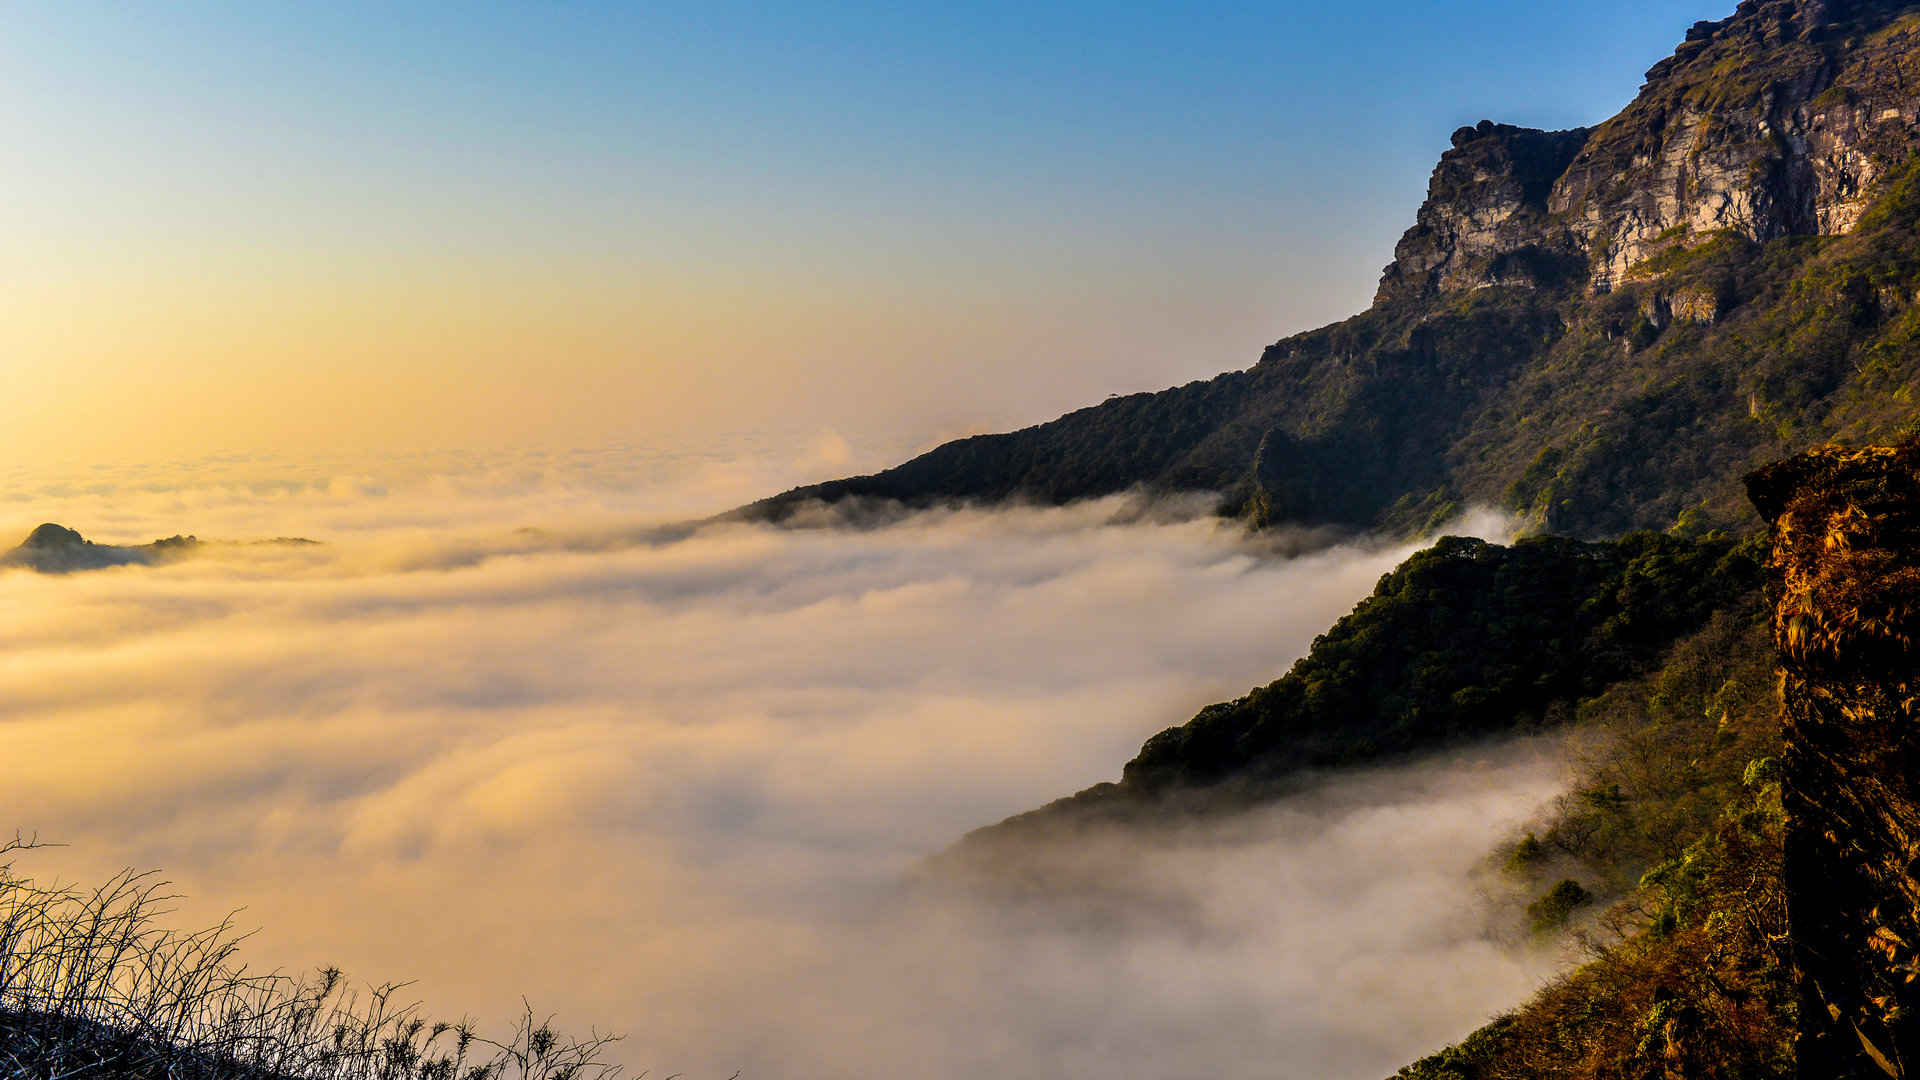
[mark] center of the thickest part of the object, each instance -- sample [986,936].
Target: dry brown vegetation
[1687,978]
[93,984]
[1846,526]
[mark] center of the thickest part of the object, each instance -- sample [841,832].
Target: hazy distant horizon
[238,496]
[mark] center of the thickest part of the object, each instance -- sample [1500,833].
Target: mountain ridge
[1607,330]
[1601,329]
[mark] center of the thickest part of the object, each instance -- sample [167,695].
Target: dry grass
[92,984]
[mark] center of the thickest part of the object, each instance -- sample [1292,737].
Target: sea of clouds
[505,732]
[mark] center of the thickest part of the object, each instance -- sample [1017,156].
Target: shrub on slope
[1677,821]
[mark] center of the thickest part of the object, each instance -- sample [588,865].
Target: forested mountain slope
[1607,330]
[1781,940]
[1737,845]
[1464,640]
[1603,328]
[1665,850]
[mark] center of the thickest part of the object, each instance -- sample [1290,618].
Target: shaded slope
[1687,980]
[1676,827]
[1806,903]
[1665,850]
[1462,639]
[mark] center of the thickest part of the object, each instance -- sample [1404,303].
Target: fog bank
[501,735]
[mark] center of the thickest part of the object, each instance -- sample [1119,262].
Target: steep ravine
[1750,832]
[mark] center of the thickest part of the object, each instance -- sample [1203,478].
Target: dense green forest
[1462,639]
[1466,639]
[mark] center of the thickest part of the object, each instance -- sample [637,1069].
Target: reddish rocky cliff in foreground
[1846,527]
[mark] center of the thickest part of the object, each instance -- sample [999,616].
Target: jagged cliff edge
[1714,142]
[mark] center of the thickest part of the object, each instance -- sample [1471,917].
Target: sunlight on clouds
[506,733]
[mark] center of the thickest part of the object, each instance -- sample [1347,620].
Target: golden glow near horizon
[353,229]
[412,355]
[290,230]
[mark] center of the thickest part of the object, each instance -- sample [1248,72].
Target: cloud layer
[504,735]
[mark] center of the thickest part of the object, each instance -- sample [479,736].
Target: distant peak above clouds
[54,537]
[55,549]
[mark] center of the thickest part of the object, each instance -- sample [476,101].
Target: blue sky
[976,215]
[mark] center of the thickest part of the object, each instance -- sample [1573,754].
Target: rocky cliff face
[1775,121]
[1847,582]
[1485,221]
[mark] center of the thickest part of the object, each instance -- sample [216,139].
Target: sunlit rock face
[1776,121]
[1846,528]
[1485,221]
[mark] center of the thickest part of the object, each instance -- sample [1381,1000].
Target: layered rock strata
[1776,121]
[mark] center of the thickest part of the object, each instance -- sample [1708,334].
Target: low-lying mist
[509,737]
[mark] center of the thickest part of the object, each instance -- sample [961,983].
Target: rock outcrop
[1485,221]
[1846,565]
[56,549]
[1776,121]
